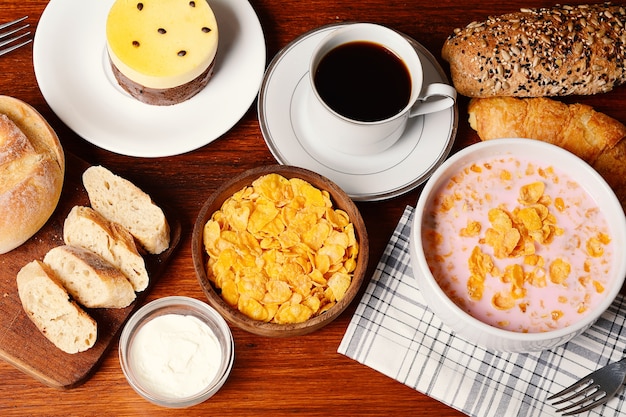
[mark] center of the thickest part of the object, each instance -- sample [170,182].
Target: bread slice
[88,229]
[49,307]
[120,201]
[90,280]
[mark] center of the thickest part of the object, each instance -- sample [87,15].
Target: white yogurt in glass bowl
[176,351]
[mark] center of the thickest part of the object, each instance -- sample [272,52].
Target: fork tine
[576,385]
[16,21]
[14,47]
[589,395]
[8,41]
[593,390]
[587,389]
[12,41]
[597,398]
[12,31]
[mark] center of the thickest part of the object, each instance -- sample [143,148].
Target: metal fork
[593,390]
[13,37]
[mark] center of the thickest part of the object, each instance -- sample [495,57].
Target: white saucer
[422,148]
[74,76]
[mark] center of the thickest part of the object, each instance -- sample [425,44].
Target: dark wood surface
[302,375]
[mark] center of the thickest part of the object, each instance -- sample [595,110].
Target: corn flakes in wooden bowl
[280,251]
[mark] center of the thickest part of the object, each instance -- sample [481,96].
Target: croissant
[591,135]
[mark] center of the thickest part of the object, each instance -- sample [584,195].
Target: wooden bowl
[339,199]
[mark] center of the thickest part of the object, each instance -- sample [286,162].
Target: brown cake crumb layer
[163,96]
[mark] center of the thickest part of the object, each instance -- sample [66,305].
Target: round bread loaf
[162,51]
[32,169]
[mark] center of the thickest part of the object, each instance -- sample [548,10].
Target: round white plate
[422,148]
[75,78]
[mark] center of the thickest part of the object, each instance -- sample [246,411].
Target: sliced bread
[90,280]
[88,229]
[48,305]
[120,201]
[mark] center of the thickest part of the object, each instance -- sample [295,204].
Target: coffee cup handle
[436,97]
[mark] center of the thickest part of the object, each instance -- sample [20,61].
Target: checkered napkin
[394,332]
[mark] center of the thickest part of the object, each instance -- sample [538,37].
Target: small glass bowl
[187,307]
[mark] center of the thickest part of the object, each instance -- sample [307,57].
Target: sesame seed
[543,48]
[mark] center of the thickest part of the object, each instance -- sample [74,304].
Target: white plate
[75,78]
[423,147]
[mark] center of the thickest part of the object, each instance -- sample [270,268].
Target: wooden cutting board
[21,344]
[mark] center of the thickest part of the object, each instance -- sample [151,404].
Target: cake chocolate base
[164,96]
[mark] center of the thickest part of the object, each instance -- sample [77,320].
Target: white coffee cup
[357,137]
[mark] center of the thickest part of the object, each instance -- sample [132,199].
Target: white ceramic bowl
[179,306]
[476,331]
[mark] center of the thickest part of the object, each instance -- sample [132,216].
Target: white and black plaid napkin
[394,332]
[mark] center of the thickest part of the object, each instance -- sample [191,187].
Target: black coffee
[363,81]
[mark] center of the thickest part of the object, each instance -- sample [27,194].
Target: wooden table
[302,375]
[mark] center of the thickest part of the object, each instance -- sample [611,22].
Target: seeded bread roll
[32,166]
[120,201]
[555,51]
[90,280]
[86,228]
[591,135]
[48,305]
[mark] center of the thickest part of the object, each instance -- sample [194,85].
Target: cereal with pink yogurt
[518,245]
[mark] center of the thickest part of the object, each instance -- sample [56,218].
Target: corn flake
[472,229]
[559,271]
[531,193]
[514,234]
[279,252]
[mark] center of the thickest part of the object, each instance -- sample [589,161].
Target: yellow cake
[162,52]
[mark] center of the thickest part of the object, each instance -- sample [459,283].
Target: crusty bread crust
[90,280]
[48,305]
[591,135]
[555,51]
[86,228]
[122,202]
[33,168]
